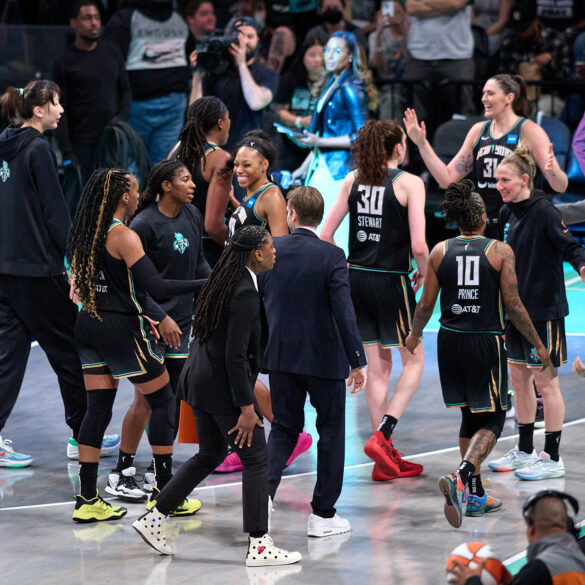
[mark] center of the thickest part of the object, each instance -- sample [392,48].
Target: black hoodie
[34,220]
[536,232]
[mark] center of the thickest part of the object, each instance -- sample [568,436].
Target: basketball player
[474,274]
[534,229]
[387,227]
[487,143]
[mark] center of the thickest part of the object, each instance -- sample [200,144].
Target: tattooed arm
[444,174]
[501,257]
[282,45]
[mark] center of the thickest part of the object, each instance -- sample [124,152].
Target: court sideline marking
[295,475]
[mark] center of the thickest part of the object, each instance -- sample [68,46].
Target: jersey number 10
[372,199]
[467,270]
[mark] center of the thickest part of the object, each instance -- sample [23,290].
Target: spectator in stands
[566,16]
[296,98]
[151,36]
[94,87]
[579,144]
[575,105]
[440,47]
[492,16]
[246,88]
[553,554]
[201,19]
[387,49]
[533,50]
[331,13]
[364,14]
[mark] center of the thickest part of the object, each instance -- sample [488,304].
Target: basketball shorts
[181,352]
[472,370]
[384,304]
[552,334]
[119,344]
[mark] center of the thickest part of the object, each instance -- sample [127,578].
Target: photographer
[246,88]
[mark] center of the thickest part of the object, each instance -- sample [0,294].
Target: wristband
[298,122]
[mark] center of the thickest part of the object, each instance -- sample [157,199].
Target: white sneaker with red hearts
[262,552]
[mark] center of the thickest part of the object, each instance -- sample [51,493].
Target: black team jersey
[174,246]
[115,290]
[470,287]
[201,185]
[488,152]
[379,233]
[536,232]
[246,214]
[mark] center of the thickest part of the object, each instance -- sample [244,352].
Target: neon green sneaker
[95,510]
[188,507]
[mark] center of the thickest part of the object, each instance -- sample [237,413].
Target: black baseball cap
[522,15]
[246,21]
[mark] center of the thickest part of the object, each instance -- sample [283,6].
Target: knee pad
[494,421]
[473,422]
[161,428]
[97,417]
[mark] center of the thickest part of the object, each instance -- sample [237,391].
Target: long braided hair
[462,205]
[160,172]
[215,294]
[202,115]
[88,233]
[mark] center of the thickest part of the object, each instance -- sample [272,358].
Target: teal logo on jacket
[5,171]
[181,243]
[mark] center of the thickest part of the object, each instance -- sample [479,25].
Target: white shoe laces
[6,444]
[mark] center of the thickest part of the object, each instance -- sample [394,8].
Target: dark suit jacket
[311,320]
[220,373]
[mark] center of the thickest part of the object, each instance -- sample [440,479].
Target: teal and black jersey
[488,152]
[246,214]
[114,286]
[470,287]
[379,232]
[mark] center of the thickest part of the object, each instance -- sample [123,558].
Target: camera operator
[246,88]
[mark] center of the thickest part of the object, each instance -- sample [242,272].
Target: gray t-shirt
[442,37]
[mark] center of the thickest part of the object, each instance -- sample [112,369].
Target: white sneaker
[513,459]
[262,552]
[318,526]
[151,526]
[110,445]
[123,485]
[543,468]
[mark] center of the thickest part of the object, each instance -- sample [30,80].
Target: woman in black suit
[218,382]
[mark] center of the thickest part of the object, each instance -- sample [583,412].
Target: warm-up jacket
[541,241]
[34,219]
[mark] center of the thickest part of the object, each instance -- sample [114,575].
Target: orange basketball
[471,554]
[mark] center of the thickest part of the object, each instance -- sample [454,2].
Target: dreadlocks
[202,115]
[462,205]
[160,172]
[87,236]
[216,292]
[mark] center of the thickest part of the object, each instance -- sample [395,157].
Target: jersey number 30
[372,199]
[467,270]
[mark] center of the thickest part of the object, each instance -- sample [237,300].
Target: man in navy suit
[313,346]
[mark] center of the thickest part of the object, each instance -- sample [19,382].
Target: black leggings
[471,422]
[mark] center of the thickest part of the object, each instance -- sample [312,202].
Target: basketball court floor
[399,534]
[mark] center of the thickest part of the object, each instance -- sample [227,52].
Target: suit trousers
[288,393]
[39,308]
[212,430]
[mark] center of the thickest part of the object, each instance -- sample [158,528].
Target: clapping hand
[416,132]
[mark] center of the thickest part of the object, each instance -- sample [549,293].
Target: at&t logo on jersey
[4,171]
[181,243]
[458,309]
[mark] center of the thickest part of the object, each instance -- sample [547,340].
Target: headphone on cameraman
[567,499]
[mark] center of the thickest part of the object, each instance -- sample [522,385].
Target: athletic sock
[257,533]
[88,473]
[163,469]
[526,431]
[465,471]
[387,425]
[475,486]
[125,460]
[552,441]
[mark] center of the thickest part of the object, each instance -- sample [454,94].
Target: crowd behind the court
[411,51]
